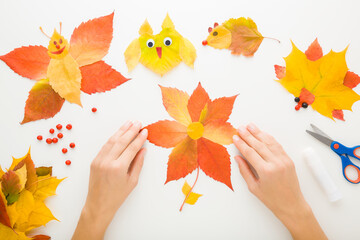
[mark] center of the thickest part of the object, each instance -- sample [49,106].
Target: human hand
[114,173]
[277,186]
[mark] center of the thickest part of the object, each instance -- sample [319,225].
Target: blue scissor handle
[341,149]
[347,163]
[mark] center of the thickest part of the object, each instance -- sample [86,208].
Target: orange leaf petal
[43,102]
[30,62]
[90,41]
[339,114]
[182,160]
[220,109]
[314,52]
[4,217]
[197,102]
[214,160]
[219,132]
[166,133]
[351,79]
[280,71]
[175,103]
[100,77]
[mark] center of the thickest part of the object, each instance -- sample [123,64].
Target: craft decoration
[161,52]
[240,36]
[197,135]
[65,69]
[324,82]
[23,191]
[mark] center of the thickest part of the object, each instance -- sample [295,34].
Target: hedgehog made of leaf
[240,36]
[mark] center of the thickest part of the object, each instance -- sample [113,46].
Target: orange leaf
[4,217]
[100,77]
[351,79]
[43,102]
[339,114]
[90,41]
[197,102]
[175,103]
[214,160]
[280,71]
[182,160]
[30,62]
[166,133]
[219,131]
[314,52]
[220,109]
[41,237]
[10,186]
[32,179]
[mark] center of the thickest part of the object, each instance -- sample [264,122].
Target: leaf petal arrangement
[324,82]
[197,135]
[63,70]
[23,191]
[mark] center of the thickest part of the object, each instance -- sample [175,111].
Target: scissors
[341,150]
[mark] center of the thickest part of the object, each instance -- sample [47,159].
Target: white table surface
[151,212]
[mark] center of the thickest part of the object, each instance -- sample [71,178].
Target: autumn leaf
[30,62]
[4,217]
[11,187]
[197,134]
[323,82]
[43,102]
[240,36]
[100,77]
[43,171]
[32,179]
[40,237]
[90,42]
[46,187]
[191,196]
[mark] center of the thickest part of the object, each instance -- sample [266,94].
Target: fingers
[246,172]
[132,150]
[254,143]
[249,153]
[136,165]
[123,141]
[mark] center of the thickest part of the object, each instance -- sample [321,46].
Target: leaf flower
[63,69]
[23,191]
[322,82]
[197,135]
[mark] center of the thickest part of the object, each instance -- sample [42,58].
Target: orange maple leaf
[64,69]
[197,134]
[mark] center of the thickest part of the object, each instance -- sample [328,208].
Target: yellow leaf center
[195,130]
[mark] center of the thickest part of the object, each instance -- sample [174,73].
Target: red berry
[297,107]
[69,126]
[93,110]
[204,43]
[68,162]
[54,140]
[39,137]
[64,150]
[60,135]
[72,145]
[59,126]
[48,140]
[51,130]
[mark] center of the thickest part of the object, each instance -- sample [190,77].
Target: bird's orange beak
[159,51]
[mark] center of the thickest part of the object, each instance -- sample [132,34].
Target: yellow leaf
[132,54]
[46,187]
[1,172]
[24,206]
[193,197]
[145,28]
[65,78]
[40,216]
[7,233]
[22,174]
[187,52]
[167,23]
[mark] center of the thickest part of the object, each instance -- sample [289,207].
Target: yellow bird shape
[161,52]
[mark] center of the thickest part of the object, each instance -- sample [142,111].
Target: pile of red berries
[60,135]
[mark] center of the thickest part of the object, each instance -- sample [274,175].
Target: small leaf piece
[11,187]
[100,77]
[43,171]
[90,41]
[4,217]
[30,62]
[193,197]
[351,79]
[197,101]
[31,182]
[338,114]
[41,237]
[314,52]
[22,174]
[43,102]
[280,71]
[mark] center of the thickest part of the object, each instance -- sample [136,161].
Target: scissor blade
[319,131]
[321,138]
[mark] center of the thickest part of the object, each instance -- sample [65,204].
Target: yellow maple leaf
[319,83]
[46,187]
[192,197]
[9,234]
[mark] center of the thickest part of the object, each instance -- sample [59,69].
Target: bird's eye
[215,33]
[60,41]
[55,42]
[167,41]
[150,43]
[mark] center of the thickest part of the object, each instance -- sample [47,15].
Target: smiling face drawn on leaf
[161,52]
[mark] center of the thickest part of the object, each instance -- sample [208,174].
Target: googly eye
[215,33]
[60,41]
[167,41]
[150,43]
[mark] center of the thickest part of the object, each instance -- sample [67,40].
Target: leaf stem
[187,196]
[273,39]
